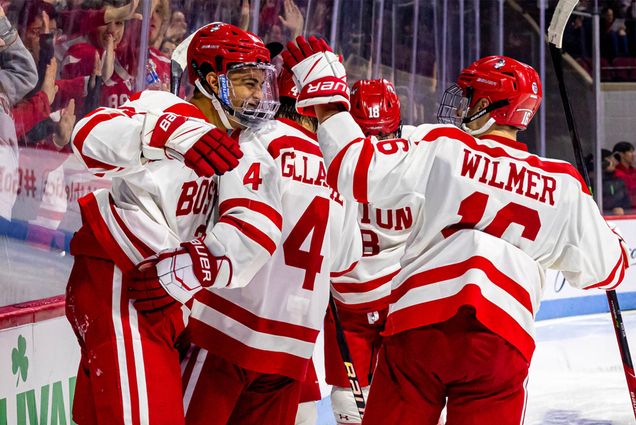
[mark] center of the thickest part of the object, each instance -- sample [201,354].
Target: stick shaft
[612,299]
[343,347]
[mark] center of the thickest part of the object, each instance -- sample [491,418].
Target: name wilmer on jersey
[509,176]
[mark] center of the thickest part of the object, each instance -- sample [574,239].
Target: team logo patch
[535,88]
[500,63]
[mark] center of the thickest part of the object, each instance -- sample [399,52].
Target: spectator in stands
[615,195]
[577,38]
[167,46]
[613,35]
[18,76]
[177,28]
[158,23]
[118,69]
[34,125]
[624,154]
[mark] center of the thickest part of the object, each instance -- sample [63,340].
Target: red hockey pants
[129,371]
[218,392]
[482,376]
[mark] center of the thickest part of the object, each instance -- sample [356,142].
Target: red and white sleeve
[112,140]
[249,226]
[593,255]
[387,173]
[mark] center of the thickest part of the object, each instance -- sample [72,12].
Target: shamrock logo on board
[19,360]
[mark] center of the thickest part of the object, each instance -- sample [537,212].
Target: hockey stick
[178,63]
[354,383]
[559,20]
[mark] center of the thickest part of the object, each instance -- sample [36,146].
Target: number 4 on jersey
[253,176]
[314,221]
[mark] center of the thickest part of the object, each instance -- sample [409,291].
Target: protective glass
[453,107]
[250,93]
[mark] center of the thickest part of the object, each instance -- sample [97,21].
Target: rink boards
[561,300]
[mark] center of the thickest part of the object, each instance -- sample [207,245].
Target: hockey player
[492,218]
[362,295]
[257,341]
[307,413]
[165,156]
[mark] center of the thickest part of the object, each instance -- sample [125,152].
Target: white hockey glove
[174,275]
[318,73]
[199,145]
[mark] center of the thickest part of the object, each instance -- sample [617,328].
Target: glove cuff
[204,263]
[325,90]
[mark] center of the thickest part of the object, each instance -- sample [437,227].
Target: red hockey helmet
[375,106]
[239,58]
[220,45]
[286,85]
[513,89]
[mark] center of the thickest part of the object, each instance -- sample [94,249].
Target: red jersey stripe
[251,232]
[361,173]
[92,216]
[256,206]
[344,272]
[254,322]
[334,167]
[357,288]
[489,314]
[80,138]
[373,305]
[452,271]
[620,265]
[143,249]
[258,360]
[186,110]
[292,142]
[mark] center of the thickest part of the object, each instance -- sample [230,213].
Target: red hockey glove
[173,275]
[318,73]
[199,145]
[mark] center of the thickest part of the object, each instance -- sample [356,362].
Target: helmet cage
[454,105]
[453,108]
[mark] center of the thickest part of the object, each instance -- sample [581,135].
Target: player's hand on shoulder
[199,145]
[318,73]
[173,275]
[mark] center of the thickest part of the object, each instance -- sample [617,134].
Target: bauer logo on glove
[318,73]
[177,275]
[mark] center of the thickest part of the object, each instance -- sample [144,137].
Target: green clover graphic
[19,360]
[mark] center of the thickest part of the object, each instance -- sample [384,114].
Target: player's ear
[482,103]
[213,80]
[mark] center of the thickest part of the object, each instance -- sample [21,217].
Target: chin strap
[216,104]
[495,105]
[478,132]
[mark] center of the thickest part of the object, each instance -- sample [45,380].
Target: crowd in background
[617,38]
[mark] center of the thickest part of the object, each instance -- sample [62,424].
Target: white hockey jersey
[384,232]
[271,325]
[491,219]
[155,205]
